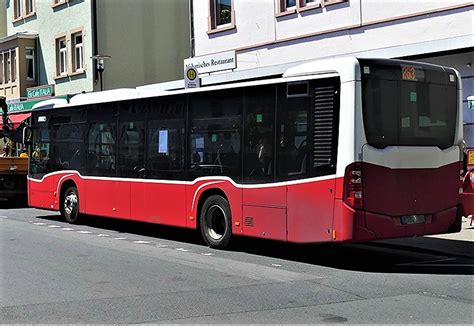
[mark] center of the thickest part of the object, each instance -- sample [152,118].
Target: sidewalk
[457,244]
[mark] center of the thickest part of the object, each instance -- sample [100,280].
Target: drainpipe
[94,38]
[191,27]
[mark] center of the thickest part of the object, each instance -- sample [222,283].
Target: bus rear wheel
[216,222]
[70,205]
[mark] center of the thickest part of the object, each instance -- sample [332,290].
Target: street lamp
[100,66]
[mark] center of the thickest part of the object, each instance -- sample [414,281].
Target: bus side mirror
[26,139]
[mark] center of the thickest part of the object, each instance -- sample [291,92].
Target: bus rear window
[409,111]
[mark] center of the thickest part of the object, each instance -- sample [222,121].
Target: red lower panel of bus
[371,226]
[297,212]
[301,212]
[393,196]
[397,192]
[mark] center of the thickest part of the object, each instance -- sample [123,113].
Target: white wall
[49,22]
[262,39]
[254,21]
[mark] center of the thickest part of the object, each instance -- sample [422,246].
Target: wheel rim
[70,204]
[216,222]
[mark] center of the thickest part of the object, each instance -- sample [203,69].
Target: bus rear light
[353,186]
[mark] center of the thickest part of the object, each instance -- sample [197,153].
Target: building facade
[3,18]
[267,36]
[144,40]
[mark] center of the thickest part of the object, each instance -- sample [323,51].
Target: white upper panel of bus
[346,68]
[104,96]
[51,103]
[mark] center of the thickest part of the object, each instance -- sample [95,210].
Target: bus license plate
[413,219]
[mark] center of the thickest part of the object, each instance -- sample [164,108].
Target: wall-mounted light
[100,66]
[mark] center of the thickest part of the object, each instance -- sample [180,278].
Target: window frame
[283,10]
[30,8]
[74,47]
[7,63]
[301,5]
[212,23]
[325,3]
[13,61]
[1,68]
[58,52]
[31,57]
[57,3]
[17,10]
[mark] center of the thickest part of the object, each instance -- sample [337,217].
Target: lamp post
[100,66]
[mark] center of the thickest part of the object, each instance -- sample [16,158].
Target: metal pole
[101,80]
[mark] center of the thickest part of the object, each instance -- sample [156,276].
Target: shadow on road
[13,204]
[365,257]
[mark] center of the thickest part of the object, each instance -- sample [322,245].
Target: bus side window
[259,134]
[215,134]
[165,139]
[293,135]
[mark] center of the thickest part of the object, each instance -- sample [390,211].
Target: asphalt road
[105,271]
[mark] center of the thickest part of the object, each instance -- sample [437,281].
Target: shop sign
[213,62]
[41,91]
[27,105]
[21,106]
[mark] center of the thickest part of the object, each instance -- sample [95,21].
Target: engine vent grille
[324,115]
[248,221]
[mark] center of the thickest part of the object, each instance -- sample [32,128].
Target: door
[264,201]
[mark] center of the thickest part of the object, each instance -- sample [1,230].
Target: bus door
[306,155]
[264,199]
[105,195]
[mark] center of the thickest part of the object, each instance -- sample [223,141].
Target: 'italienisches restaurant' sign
[213,62]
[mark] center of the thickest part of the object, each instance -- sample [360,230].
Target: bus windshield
[408,105]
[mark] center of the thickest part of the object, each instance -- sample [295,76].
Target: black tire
[70,205]
[216,222]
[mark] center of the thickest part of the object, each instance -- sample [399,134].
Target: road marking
[276,265]
[67,229]
[159,245]
[120,238]
[103,235]
[53,226]
[3,216]
[207,254]
[182,249]
[84,232]
[39,223]
[141,241]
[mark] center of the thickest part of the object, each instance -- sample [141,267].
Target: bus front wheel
[70,205]
[216,222]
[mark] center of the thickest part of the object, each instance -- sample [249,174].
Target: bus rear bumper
[372,226]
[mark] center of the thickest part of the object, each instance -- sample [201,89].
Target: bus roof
[346,68]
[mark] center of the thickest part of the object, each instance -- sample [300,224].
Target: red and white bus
[338,150]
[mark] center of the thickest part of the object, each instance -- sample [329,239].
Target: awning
[16,119]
